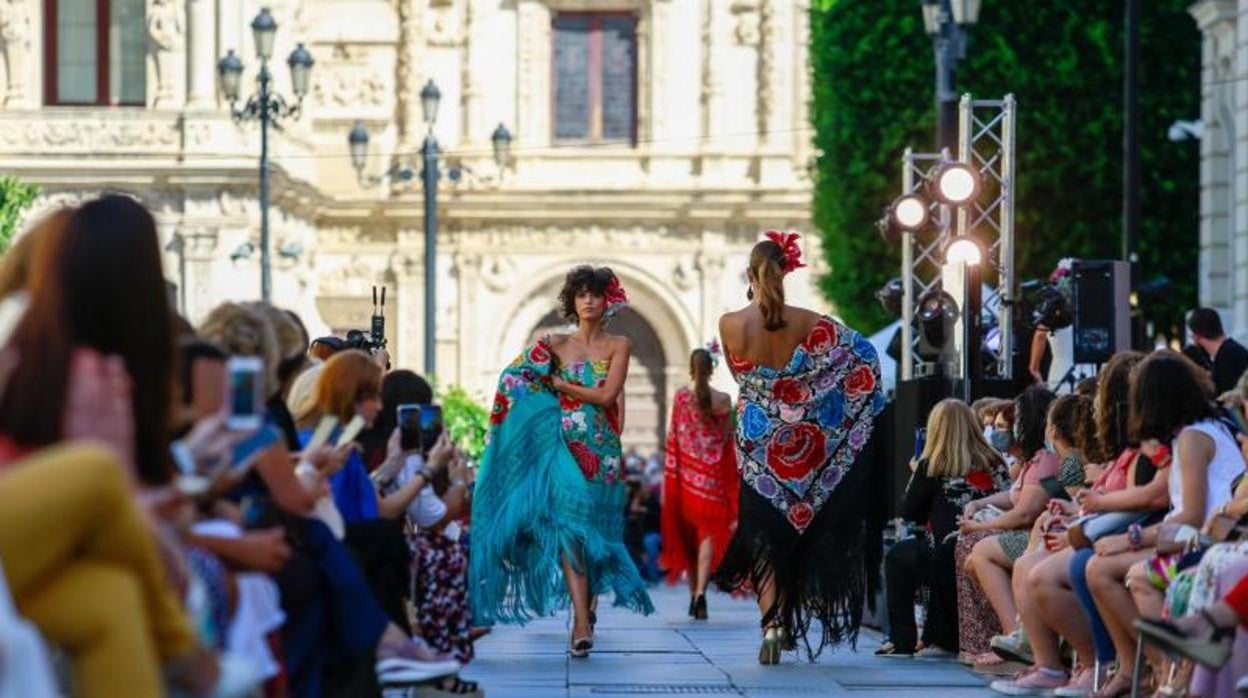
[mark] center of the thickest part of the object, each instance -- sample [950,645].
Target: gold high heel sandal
[769,653]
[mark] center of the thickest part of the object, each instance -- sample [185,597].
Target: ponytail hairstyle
[767,272]
[701,365]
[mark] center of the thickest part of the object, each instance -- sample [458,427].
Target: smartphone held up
[246,394]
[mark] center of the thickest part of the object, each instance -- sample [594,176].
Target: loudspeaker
[1102,309]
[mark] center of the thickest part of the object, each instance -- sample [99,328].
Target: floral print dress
[549,489]
[591,432]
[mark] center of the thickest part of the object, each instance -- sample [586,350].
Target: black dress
[927,559]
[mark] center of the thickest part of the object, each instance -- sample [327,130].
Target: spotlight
[891,295]
[954,183]
[936,313]
[964,248]
[910,212]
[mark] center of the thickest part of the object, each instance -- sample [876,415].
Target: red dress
[700,486]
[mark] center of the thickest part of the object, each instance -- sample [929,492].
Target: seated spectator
[1172,412]
[995,531]
[957,466]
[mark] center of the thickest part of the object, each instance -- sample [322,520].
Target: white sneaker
[397,671]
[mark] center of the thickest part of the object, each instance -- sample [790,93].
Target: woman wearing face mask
[550,495]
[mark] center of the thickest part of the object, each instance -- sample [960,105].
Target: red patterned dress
[700,486]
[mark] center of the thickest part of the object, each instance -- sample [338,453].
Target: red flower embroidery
[800,515]
[790,391]
[501,407]
[585,458]
[569,403]
[540,354]
[980,480]
[788,245]
[822,338]
[739,365]
[860,382]
[795,450]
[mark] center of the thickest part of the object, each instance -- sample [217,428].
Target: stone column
[201,46]
[409,284]
[230,30]
[17,31]
[198,254]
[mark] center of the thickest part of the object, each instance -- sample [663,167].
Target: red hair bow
[788,245]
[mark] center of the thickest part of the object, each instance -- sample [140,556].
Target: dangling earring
[749,294]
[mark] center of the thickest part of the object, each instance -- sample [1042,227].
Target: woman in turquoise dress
[548,508]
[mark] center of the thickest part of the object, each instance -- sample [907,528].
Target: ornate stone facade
[720,155]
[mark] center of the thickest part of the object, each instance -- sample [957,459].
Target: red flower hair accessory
[713,348]
[788,246]
[615,297]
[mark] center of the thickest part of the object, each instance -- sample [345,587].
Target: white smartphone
[352,430]
[246,400]
[321,435]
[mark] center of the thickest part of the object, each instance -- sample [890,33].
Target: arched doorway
[645,389]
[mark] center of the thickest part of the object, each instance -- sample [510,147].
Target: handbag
[1086,530]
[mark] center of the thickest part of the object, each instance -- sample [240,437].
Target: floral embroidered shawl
[801,428]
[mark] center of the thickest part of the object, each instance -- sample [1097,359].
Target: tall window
[595,77]
[95,52]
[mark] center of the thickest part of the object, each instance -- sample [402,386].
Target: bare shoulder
[730,325]
[618,342]
[803,318]
[557,339]
[721,402]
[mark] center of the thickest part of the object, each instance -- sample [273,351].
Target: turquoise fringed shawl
[532,506]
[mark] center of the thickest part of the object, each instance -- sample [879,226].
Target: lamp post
[946,22]
[357,140]
[268,108]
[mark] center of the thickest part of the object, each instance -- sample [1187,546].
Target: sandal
[1118,686]
[888,649]
[457,686]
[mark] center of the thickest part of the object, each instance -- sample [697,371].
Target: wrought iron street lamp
[946,22]
[357,141]
[267,107]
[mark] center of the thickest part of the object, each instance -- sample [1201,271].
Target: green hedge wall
[1062,59]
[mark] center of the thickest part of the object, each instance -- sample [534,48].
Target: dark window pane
[76,52]
[571,61]
[619,75]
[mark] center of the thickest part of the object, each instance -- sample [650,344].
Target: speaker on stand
[1102,303]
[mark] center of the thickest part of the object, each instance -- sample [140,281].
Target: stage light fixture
[937,312]
[964,248]
[910,212]
[1050,309]
[954,183]
[891,296]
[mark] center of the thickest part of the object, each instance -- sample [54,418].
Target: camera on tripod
[375,338]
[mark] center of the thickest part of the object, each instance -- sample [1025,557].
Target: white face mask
[988,432]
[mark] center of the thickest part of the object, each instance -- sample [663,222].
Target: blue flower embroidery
[877,406]
[832,409]
[864,348]
[754,422]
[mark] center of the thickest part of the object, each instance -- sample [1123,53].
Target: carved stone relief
[348,81]
[165,36]
[444,24]
[90,133]
[745,13]
[16,32]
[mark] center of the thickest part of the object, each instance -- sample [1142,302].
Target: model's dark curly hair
[582,278]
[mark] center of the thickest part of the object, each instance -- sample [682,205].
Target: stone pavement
[669,654]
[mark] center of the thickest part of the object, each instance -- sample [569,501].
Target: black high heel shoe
[693,601]
[699,607]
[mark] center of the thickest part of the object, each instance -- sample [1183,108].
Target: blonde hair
[767,272]
[302,396]
[240,329]
[955,444]
[18,263]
